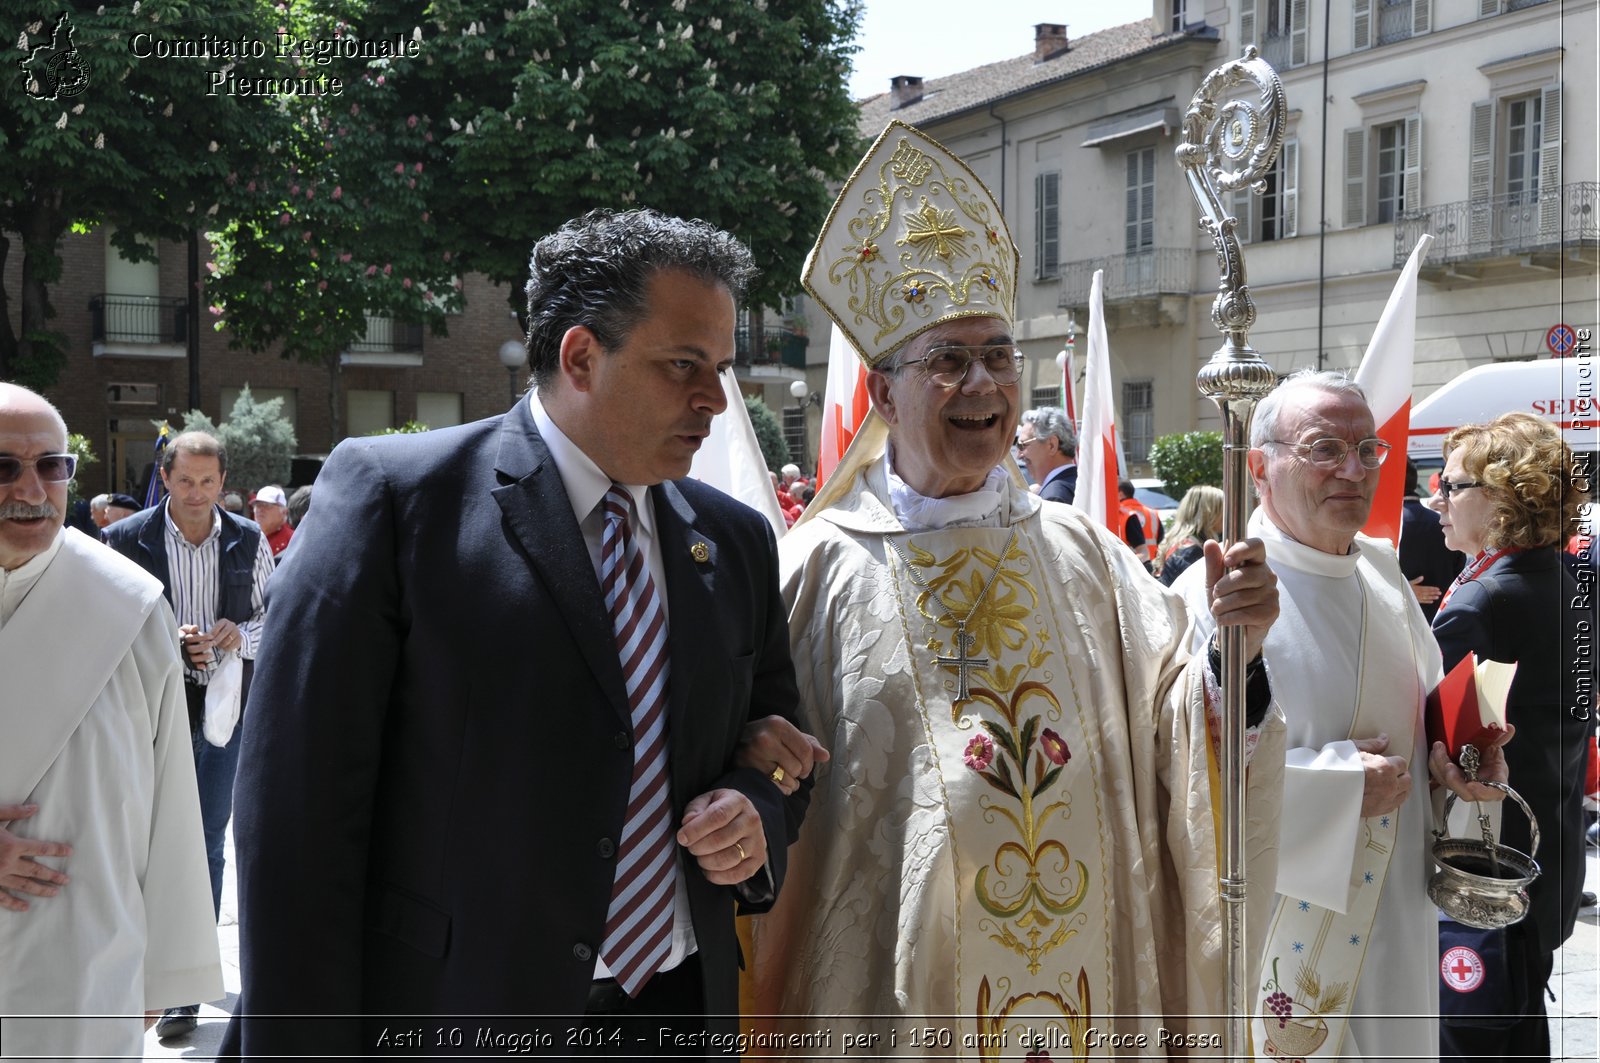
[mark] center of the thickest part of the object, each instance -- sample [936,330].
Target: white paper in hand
[222,699]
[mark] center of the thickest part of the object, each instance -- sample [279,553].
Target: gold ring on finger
[777,775]
[742,856]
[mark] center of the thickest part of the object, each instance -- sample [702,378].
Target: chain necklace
[961,662]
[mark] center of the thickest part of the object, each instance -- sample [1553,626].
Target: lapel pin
[700,552]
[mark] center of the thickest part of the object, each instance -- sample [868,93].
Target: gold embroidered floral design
[996,1042]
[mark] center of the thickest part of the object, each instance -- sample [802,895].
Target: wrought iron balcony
[138,319]
[1141,275]
[1503,226]
[778,346]
[388,336]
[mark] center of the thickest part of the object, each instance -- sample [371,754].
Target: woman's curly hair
[1527,471]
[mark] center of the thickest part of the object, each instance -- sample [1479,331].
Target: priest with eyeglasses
[1015,839]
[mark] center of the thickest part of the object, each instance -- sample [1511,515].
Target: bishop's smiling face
[946,440]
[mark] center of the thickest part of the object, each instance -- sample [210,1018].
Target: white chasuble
[1034,866]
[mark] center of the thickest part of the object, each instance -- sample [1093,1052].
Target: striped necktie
[639,919]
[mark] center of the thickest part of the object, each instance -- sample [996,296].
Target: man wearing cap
[1016,831]
[120,507]
[102,870]
[271,511]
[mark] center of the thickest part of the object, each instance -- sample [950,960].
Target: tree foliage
[142,146]
[259,439]
[769,434]
[1185,459]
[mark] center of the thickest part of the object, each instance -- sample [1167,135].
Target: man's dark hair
[1411,477]
[200,444]
[1125,488]
[593,272]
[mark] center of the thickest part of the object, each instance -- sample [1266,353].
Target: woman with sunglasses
[1506,497]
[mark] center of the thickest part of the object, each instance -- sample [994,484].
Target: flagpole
[1228,146]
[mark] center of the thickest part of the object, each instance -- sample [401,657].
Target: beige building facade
[1473,120]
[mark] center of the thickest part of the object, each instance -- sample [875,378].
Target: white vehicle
[1561,390]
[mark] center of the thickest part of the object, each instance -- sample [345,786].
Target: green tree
[769,434]
[79,446]
[1185,459]
[259,439]
[137,143]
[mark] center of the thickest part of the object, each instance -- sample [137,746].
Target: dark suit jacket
[427,818]
[142,539]
[1423,552]
[1522,609]
[1063,487]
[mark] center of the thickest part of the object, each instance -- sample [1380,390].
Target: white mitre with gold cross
[914,239]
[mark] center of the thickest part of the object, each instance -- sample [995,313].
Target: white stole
[67,637]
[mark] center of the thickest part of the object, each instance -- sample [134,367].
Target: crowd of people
[517,720]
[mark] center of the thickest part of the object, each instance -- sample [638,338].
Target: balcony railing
[1503,226]
[778,346]
[149,319]
[388,336]
[1141,275]
[1394,20]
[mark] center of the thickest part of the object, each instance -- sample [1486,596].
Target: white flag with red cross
[1099,452]
[1385,374]
[844,404]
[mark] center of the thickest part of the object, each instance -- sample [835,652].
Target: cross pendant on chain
[961,662]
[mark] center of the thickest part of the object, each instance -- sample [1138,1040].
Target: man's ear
[879,391]
[580,351]
[1256,460]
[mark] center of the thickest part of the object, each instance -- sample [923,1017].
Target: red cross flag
[1099,453]
[1385,375]
[844,404]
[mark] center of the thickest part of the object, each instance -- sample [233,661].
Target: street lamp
[799,389]
[513,355]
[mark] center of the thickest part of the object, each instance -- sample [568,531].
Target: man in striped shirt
[214,566]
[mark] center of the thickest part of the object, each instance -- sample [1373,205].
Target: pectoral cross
[961,662]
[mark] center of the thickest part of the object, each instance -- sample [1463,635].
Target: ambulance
[1561,390]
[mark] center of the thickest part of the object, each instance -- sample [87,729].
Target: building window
[1382,171]
[1388,21]
[1278,28]
[1390,142]
[368,411]
[1140,212]
[1138,418]
[439,409]
[1180,17]
[1524,131]
[1273,214]
[1045,396]
[1047,224]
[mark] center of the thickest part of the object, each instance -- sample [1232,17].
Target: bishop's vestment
[1035,865]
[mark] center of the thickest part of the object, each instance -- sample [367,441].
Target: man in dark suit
[1047,447]
[442,814]
[1427,562]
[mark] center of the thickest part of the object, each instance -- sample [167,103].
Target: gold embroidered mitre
[913,240]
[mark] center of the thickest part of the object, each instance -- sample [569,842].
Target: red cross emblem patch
[1462,969]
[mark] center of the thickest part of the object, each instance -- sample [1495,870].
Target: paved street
[1574,1017]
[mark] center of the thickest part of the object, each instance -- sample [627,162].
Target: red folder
[1458,716]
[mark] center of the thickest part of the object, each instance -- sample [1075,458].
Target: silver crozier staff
[1228,146]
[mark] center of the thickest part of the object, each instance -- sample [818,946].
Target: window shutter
[1361,25]
[1480,173]
[1299,41]
[1247,24]
[1291,184]
[1412,172]
[1421,17]
[1243,209]
[1355,177]
[1038,224]
[1550,166]
[1488,8]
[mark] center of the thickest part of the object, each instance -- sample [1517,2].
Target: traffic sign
[1561,339]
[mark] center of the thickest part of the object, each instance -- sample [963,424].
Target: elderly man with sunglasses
[1354,661]
[1017,826]
[102,866]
